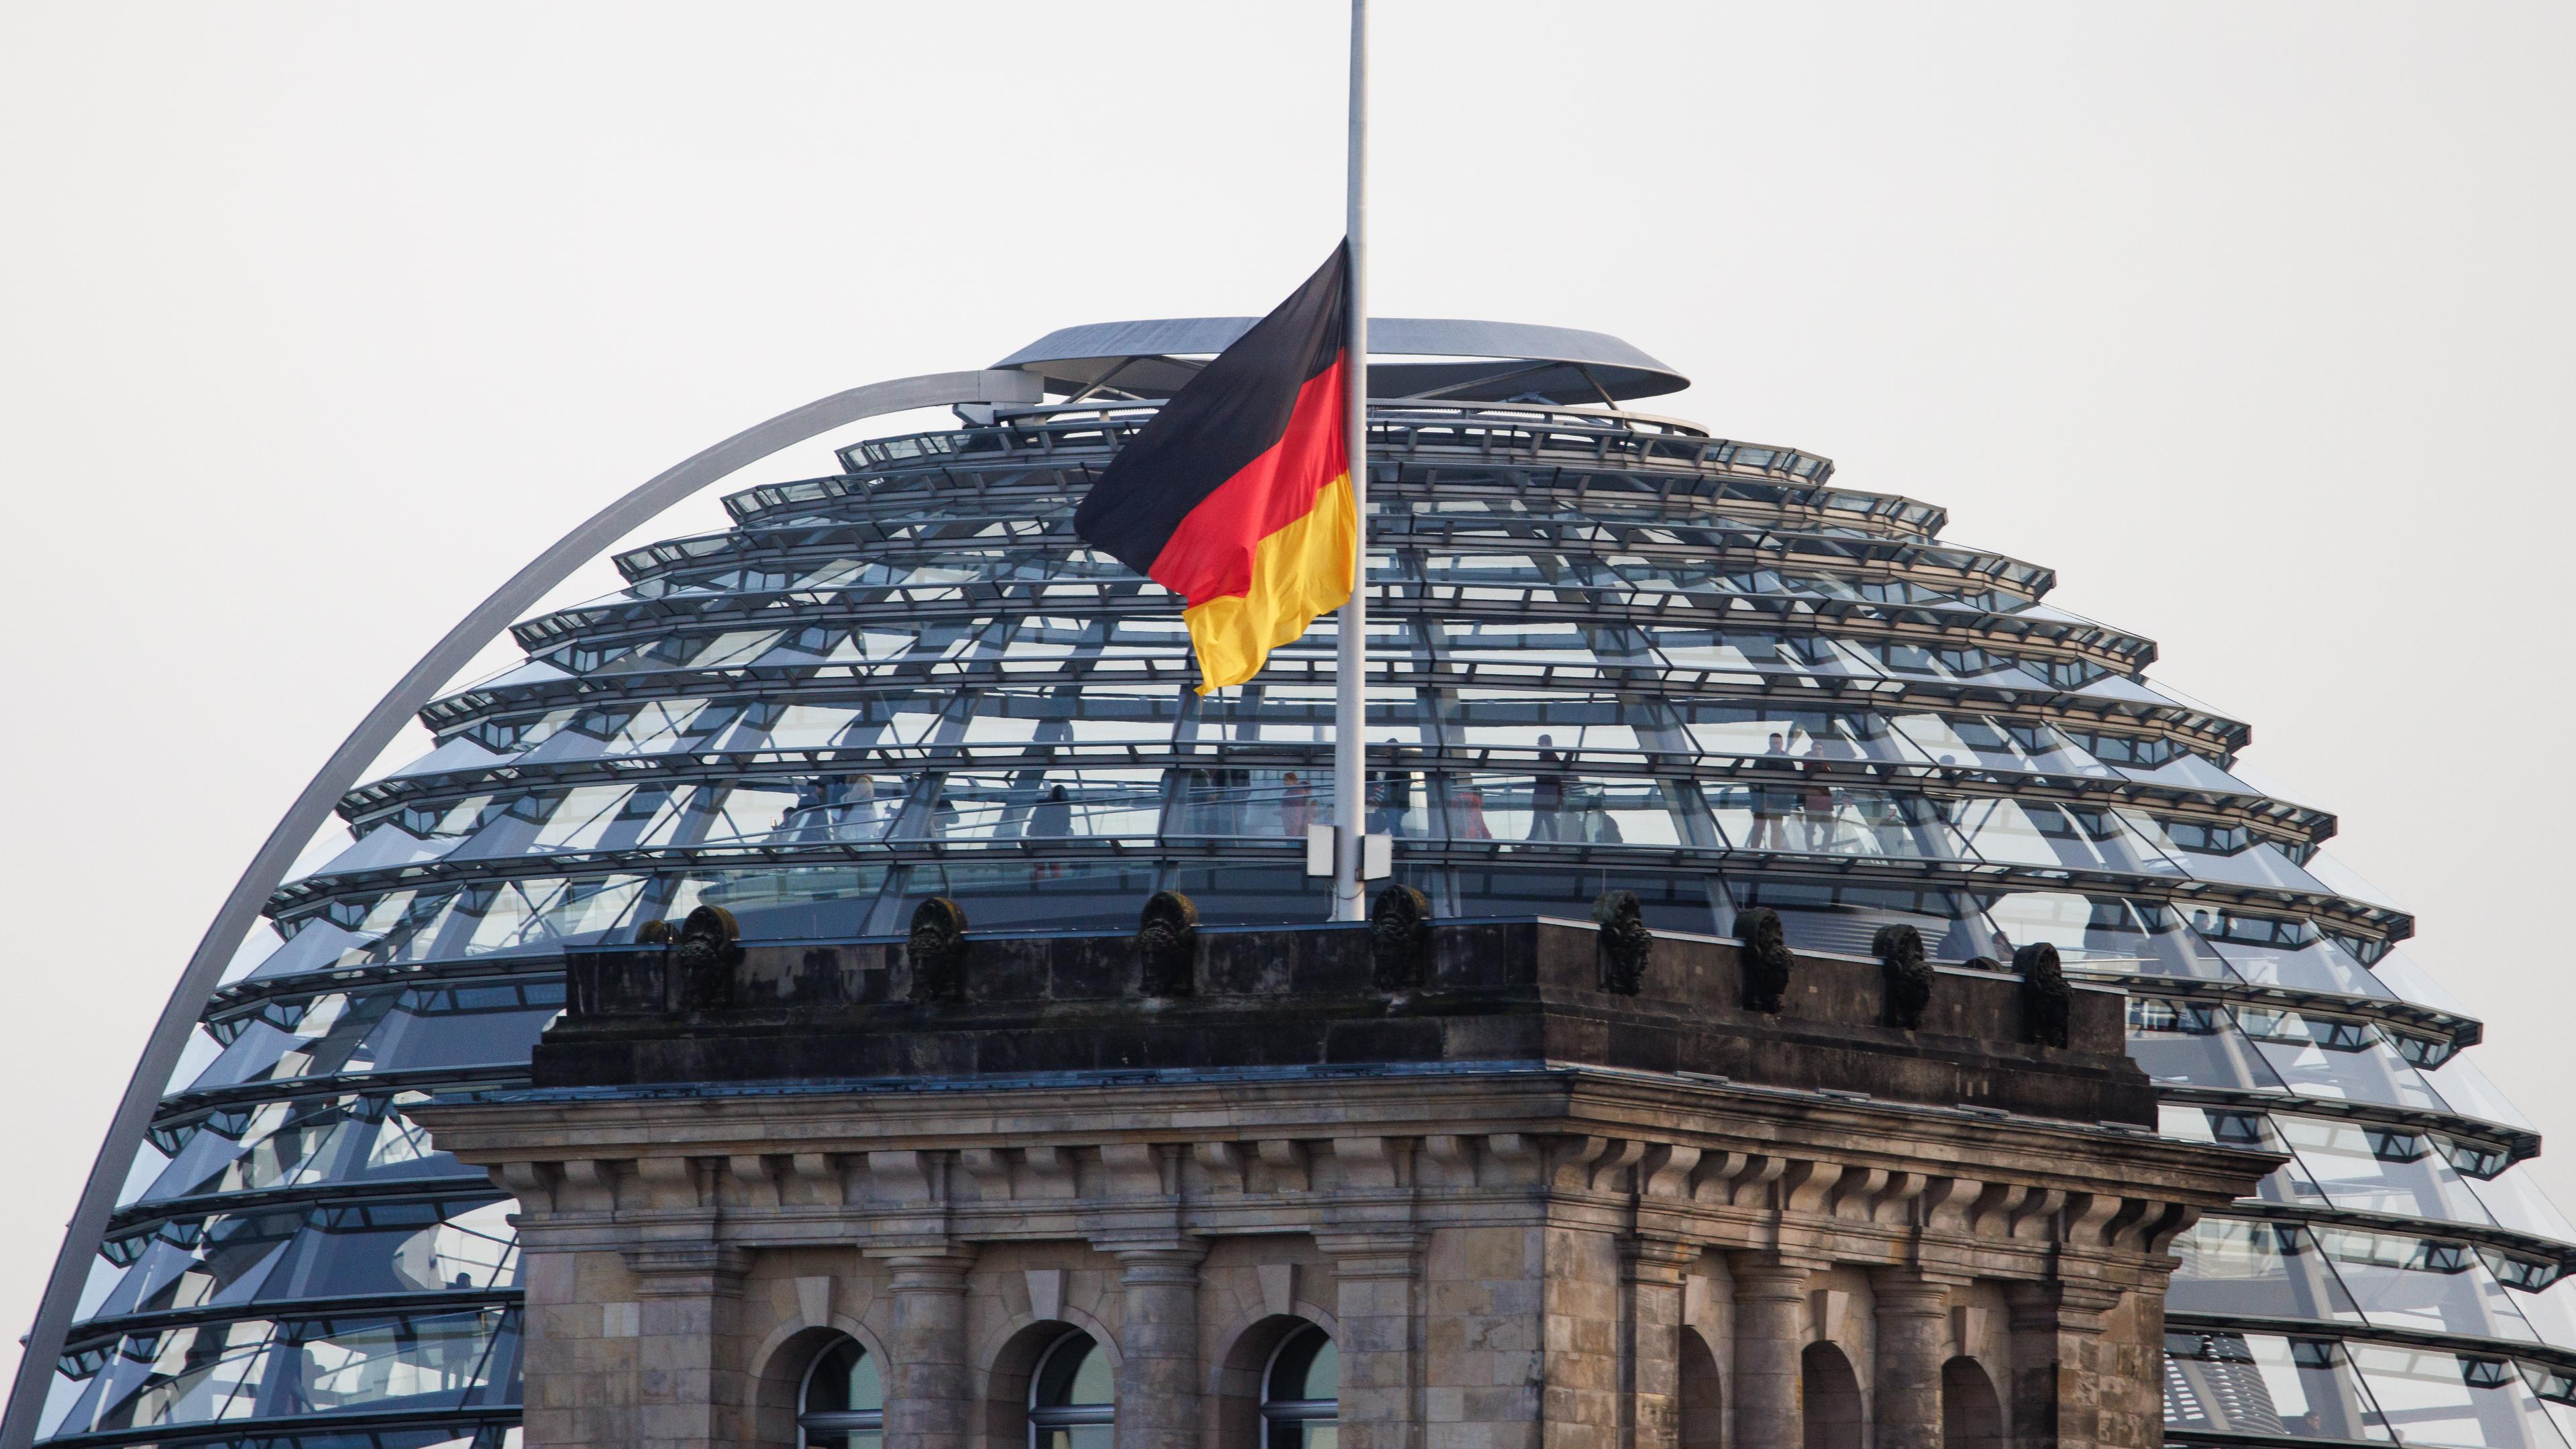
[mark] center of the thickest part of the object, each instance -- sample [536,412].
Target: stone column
[688,1393]
[1653,1330]
[1913,1341]
[1770,1332]
[927,1396]
[2056,1393]
[1375,1274]
[1158,1376]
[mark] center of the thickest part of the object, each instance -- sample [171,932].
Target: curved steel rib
[44,1343]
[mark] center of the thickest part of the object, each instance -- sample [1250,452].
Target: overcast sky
[316,321]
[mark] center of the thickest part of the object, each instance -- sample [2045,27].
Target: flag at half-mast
[1237,495]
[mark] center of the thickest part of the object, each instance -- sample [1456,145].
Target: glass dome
[1606,650]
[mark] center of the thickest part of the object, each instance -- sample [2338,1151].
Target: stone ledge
[1514,991]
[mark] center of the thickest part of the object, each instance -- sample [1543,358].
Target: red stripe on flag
[1209,555]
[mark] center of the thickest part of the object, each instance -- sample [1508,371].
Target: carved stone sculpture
[1909,977]
[1168,940]
[708,948]
[1765,959]
[1400,938]
[2043,994]
[937,948]
[1626,945]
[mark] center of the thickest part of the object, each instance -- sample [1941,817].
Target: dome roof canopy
[1607,651]
[1409,357]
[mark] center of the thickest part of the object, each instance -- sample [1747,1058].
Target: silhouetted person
[1051,819]
[1296,805]
[1390,795]
[1772,797]
[1547,793]
[1817,798]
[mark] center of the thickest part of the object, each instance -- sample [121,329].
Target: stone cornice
[1227,1119]
[1364,1164]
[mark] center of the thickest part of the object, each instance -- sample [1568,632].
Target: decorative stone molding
[1627,947]
[1766,960]
[2044,994]
[936,950]
[1899,950]
[1399,938]
[1167,945]
[704,956]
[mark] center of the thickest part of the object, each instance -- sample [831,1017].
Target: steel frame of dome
[1607,649]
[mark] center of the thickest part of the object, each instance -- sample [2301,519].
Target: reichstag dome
[1608,649]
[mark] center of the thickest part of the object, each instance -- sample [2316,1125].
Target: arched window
[1703,1402]
[1971,1416]
[842,1405]
[1831,1392]
[1072,1401]
[1301,1394]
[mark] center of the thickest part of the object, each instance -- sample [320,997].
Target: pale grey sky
[315,321]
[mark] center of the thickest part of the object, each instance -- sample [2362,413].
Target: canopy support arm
[374,734]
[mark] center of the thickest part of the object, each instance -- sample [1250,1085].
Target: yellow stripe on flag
[1298,573]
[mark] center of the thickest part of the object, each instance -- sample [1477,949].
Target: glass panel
[2037,833]
[1045,805]
[2100,933]
[844,1405]
[1268,803]
[469,1023]
[2189,1044]
[1570,723]
[1754,731]
[2421,1283]
[2378,1169]
[2551,1312]
[256,1367]
[1997,745]
[1091,894]
[803,903]
[2468,1092]
[2256,1269]
[306,1251]
[1812,816]
[2429,1398]
[1826,917]
[2255,1383]
[1627,812]
[2327,1057]
[2399,973]
[773,809]
[1750,657]
[2518,1203]
[2259,864]
[2315,965]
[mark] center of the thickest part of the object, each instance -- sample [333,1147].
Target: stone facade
[1557,1250]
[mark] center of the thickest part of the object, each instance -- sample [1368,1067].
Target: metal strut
[374,734]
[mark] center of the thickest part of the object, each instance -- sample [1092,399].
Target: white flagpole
[1350,716]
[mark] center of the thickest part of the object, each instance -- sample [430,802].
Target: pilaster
[1377,1275]
[1652,1341]
[2056,1398]
[688,1389]
[1770,1332]
[927,1390]
[1913,1339]
[1158,1387]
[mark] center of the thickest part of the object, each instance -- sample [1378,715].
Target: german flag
[1237,496]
